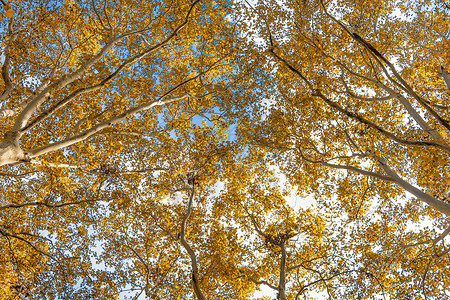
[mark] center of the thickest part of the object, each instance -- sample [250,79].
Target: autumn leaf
[205,149]
[9,12]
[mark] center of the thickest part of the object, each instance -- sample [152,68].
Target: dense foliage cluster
[181,149]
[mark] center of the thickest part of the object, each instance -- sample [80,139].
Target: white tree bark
[10,151]
[8,112]
[446,76]
[439,205]
[97,128]
[195,280]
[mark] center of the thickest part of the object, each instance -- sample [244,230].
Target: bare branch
[255,224]
[403,84]
[443,253]
[304,262]
[39,98]
[97,128]
[37,203]
[6,233]
[3,174]
[324,280]
[136,134]
[374,126]
[100,171]
[139,257]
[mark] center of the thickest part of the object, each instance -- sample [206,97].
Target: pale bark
[195,279]
[5,112]
[36,100]
[412,112]
[107,79]
[7,63]
[358,170]
[393,177]
[446,76]
[10,151]
[282,284]
[415,115]
[281,288]
[317,93]
[353,95]
[439,205]
[401,83]
[63,81]
[404,85]
[97,128]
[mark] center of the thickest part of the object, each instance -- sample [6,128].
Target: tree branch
[282,284]
[306,261]
[95,87]
[350,168]
[37,100]
[6,233]
[434,241]
[97,128]
[258,282]
[195,279]
[38,203]
[404,84]
[100,171]
[7,62]
[354,116]
[445,75]
[353,95]
[440,206]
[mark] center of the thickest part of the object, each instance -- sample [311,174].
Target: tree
[96,99]
[142,143]
[78,61]
[361,115]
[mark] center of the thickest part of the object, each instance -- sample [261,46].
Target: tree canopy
[179,149]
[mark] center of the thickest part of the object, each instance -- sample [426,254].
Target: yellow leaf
[9,13]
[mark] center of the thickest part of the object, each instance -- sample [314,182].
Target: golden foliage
[165,149]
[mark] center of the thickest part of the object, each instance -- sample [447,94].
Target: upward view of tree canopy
[193,149]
